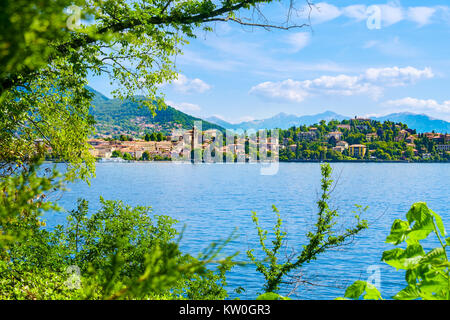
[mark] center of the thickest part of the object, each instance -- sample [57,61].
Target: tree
[122,252]
[145,156]
[321,239]
[116,154]
[127,156]
[46,57]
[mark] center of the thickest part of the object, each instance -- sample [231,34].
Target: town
[347,140]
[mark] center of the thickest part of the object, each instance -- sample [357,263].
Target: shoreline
[281,161]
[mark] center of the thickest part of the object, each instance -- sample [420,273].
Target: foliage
[384,141]
[271,296]
[119,252]
[48,47]
[323,238]
[22,201]
[362,288]
[114,116]
[427,273]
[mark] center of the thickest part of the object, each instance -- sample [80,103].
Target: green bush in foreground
[320,239]
[118,252]
[427,273]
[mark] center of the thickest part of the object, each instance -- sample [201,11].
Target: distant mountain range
[420,122]
[281,121]
[114,117]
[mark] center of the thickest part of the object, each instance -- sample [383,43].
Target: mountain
[420,122]
[281,120]
[114,116]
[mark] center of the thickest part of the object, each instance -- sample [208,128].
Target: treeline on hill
[380,141]
[115,117]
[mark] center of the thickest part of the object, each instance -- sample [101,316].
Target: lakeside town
[347,140]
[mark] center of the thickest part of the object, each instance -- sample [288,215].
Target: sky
[358,58]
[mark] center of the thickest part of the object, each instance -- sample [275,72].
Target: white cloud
[356,12]
[342,85]
[185,85]
[371,83]
[391,14]
[322,12]
[289,90]
[184,106]
[298,40]
[421,105]
[421,15]
[396,76]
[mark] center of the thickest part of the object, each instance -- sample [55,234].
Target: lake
[212,200]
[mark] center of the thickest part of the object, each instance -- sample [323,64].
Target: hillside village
[353,139]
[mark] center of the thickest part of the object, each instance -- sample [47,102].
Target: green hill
[114,117]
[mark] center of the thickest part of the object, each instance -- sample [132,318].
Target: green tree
[159,136]
[122,252]
[427,273]
[127,156]
[321,239]
[116,154]
[46,58]
[145,156]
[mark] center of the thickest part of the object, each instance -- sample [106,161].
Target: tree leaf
[408,293]
[404,259]
[355,290]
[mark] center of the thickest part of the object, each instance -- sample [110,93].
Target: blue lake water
[212,200]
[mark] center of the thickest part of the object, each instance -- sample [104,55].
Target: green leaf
[271,296]
[408,293]
[421,222]
[355,290]
[404,259]
[372,293]
[439,223]
[399,232]
[435,256]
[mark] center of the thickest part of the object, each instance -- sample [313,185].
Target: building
[357,150]
[101,152]
[443,147]
[343,144]
[402,134]
[335,134]
[310,135]
[339,149]
[410,139]
[360,119]
[371,136]
[447,138]
[343,126]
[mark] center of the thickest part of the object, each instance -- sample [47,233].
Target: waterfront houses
[372,141]
[357,150]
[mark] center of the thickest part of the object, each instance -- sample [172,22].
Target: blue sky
[344,63]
